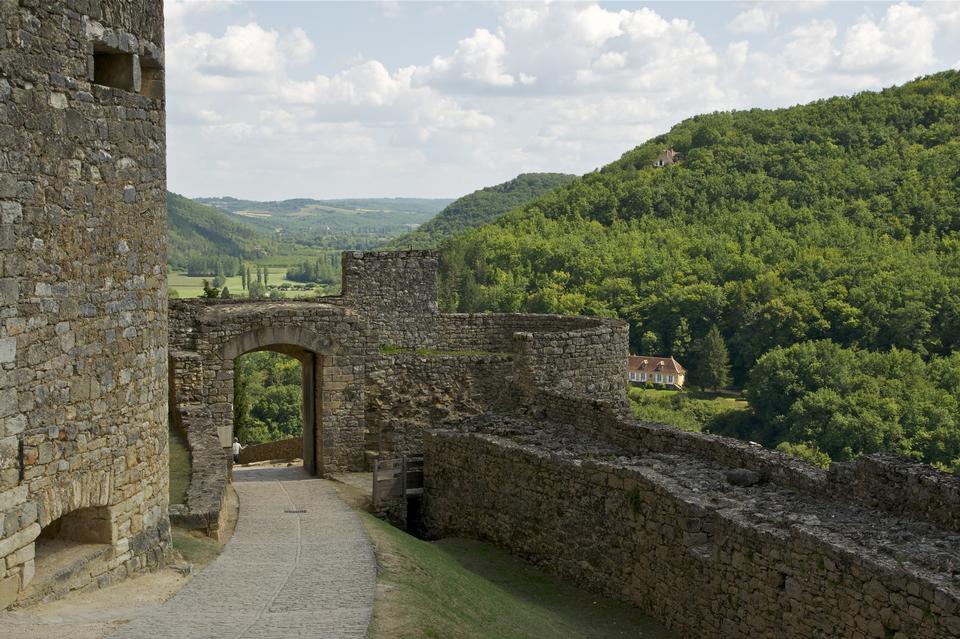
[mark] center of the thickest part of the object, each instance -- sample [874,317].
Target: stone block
[9,589]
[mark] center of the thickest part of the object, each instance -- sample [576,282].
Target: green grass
[189,286]
[688,410]
[460,589]
[195,547]
[179,468]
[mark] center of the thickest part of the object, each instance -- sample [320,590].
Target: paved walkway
[284,574]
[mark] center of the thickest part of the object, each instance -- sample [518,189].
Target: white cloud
[560,87]
[903,38]
[477,60]
[753,20]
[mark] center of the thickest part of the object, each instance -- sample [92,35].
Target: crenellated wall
[83,336]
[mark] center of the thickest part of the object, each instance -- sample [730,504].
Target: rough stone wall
[673,535]
[494,331]
[395,292]
[408,393]
[83,336]
[885,483]
[281,449]
[589,362]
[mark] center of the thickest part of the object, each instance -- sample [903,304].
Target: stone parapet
[672,534]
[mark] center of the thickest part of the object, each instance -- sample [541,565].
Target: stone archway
[307,348]
[206,338]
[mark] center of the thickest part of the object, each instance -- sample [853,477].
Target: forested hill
[823,240]
[480,207]
[198,230]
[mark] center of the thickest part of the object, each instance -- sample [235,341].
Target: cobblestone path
[284,573]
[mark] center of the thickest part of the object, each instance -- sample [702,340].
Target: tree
[650,343]
[243,277]
[220,278]
[266,275]
[681,340]
[259,275]
[225,293]
[210,292]
[714,368]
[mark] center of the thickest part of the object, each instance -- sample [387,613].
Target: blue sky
[273,100]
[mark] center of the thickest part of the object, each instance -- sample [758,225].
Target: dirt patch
[94,614]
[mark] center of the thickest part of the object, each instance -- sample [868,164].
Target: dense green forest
[837,220]
[267,397]
[200,234]
[478,208]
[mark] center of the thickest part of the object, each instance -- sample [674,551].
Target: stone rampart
[395,292]
[408,393]
[494,332]
[282,449]
[709,552]
[885,483]
[587,362]
[83,337]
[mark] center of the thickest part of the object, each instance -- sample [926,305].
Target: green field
[188,286]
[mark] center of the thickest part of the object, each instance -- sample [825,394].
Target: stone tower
[83,338]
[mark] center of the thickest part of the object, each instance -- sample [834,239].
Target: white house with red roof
[659,371]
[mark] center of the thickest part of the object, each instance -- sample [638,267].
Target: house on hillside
[659,371]
[666,157]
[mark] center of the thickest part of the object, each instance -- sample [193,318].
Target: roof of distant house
[668,156]
[655,364]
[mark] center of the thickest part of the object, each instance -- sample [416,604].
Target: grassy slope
[480,207]
[459,589]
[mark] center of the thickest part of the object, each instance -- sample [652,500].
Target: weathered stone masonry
[83,336]
[386,365]
[714,537]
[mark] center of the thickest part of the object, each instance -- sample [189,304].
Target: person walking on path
[236,450]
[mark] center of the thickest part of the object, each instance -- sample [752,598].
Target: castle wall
[395,292]
[671,534]
[83,337]
[408,393]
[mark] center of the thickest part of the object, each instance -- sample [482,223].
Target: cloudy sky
[274,100]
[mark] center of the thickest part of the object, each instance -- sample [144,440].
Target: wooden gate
[397,479]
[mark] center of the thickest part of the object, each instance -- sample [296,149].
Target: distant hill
[343,224]
[480,207]
[195,229]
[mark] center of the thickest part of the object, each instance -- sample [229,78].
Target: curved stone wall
[83,336]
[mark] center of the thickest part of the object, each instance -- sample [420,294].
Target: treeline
[324,270]
[838,220]
[267,398]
